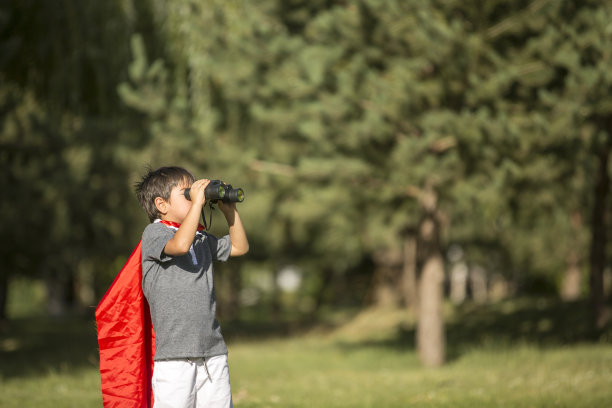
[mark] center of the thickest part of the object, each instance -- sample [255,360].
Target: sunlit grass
[316,372]
[499,356]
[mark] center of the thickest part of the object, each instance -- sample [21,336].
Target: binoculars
[218,190]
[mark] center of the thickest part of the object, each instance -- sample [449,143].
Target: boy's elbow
[181,253]
[174,248]
[239,251]
[174,252]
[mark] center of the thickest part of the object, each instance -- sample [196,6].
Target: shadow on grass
[38,346]
[525,321]
[35,346]
[256,329]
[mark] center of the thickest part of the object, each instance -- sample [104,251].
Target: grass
[518,353]
[49,363]
[307,374]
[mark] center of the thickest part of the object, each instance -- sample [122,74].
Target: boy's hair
[159,183]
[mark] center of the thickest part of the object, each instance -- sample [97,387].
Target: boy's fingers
[201,183]
[200,186]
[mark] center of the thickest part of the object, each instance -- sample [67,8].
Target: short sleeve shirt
[181,294]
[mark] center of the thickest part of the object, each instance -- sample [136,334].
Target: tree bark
[572,280]
[60,292]
[478,284]
[430,334]
[570,289]
[458,282]
[4,282]
[386,282]
[409,272]
[599,238]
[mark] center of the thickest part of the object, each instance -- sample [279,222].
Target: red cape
[126,340]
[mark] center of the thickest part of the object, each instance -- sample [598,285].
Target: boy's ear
[161,205]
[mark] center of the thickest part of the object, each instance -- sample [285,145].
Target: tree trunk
[384,290]
[430,335]
[386,287]
[84,291]
[458,282]
[498,288]
[570,288]
[430,331]
[598,237]
[572,280]
[276,295]
[478,284]
[4,282]
[409,272]
[60,292]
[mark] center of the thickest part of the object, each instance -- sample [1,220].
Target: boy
[190,363]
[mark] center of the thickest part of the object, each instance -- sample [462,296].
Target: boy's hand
[180,243]
[226,208]
[240,243]
[197,194]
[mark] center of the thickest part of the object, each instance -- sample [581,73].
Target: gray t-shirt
[181,293]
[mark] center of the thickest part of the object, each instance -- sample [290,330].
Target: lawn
[519,353]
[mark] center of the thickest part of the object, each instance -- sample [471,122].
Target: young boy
[190,363]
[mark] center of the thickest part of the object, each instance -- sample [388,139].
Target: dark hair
[159,183]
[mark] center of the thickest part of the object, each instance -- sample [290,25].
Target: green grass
[519,353]
[310,374]
[49,363]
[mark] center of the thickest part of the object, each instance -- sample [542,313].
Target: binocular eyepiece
[218,190]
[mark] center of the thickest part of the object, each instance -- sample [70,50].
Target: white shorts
[192,383]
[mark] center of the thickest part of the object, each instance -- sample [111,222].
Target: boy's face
[177,206]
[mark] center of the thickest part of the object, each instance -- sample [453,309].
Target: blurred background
[432,157]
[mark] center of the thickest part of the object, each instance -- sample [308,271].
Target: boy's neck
[169,219]
[172,223]
[178,224]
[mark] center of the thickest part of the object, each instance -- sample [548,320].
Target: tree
[356,122]
[62,141]
[568,93]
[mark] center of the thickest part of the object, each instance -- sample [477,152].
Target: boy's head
[159,183]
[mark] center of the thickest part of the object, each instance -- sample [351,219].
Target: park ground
[529,352]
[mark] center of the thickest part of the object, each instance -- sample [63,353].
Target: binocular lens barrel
[214,192]
[235,195]
[217,190]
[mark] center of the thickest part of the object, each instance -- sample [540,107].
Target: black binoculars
[218,190]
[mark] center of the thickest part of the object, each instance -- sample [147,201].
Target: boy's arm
[240,243]
[183,239]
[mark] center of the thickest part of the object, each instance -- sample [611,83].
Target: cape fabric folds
[126,340]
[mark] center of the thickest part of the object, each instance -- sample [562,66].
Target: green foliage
[334,116]
[62,132]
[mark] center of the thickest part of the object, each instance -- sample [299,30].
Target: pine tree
[358,125]
[62,127]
